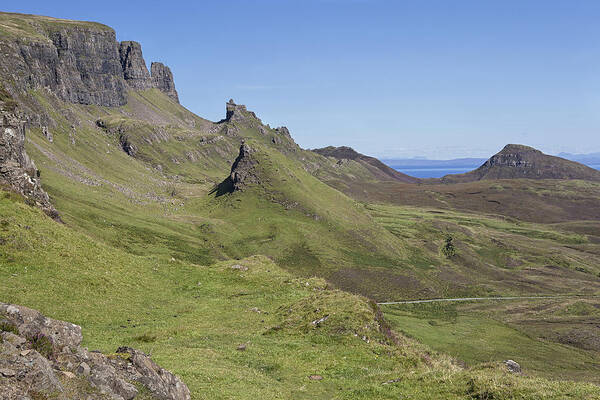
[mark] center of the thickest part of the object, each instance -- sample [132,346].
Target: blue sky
[441,79]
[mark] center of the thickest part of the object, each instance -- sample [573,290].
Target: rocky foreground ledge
[41,358]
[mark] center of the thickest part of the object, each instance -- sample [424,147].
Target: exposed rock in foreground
[377,167]
[17,171]
[42,358]
[516,161]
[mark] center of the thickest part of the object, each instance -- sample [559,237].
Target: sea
[423,171]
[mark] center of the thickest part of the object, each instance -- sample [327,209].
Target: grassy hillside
[550,337]
[160,196]
[193,320]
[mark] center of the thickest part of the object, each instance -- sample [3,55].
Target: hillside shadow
[223,188]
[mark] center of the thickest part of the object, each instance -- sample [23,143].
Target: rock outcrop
[238,112]
[42,357]
[243,169]
[162,79]
[513,366]
[17,171]
[80,62]
[135,71]
[517,161]
[378,168]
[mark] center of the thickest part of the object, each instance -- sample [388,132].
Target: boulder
[513,366]
[24,371]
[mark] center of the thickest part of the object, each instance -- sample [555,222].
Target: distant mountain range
[587,159]
[407,163]
[426,163]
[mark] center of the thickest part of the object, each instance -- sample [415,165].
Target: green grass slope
[555,344]
[193,320]
[159,195]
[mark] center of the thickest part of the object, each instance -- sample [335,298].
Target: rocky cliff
[242,171]
[134,67]
[162,79]
[41,358]
[17,171]
[238,112]
[516,161]
[80,62]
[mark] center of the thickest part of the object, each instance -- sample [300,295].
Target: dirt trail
[486,298]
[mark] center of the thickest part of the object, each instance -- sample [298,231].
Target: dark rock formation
[135,71]
[42,356]
[378,168]
[162,79]
[79,62]
[17,171]
[243,169]
[516,161]
[238,112]
[128,147]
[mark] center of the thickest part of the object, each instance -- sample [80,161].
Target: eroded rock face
[238,112]
[242,170]
[135,71]
[162,79]
[17,171]
[80,65]
[43,356]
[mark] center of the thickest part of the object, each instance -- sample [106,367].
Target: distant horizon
[424,158]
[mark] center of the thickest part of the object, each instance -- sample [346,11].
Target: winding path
[485,298]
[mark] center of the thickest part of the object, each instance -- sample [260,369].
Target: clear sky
[440,79]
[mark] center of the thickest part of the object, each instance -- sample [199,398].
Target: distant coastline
[423,168]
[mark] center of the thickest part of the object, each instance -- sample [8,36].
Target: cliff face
[80,62]
[134,67]
[162,79]
[79,65]
[17,171]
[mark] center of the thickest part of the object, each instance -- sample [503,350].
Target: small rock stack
[136,73]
